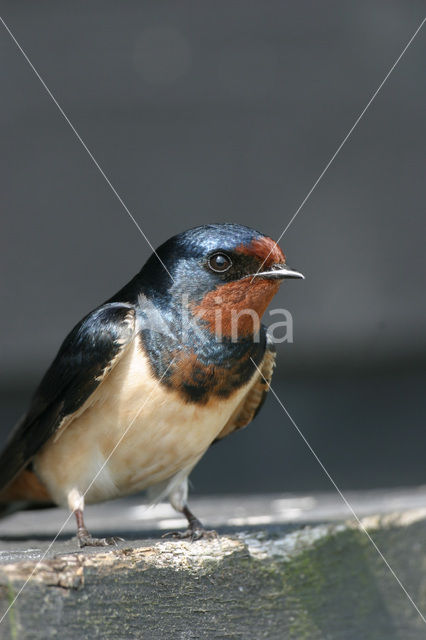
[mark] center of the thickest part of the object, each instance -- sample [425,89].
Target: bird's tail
[24,492]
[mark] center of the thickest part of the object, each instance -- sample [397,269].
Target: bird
[144,384]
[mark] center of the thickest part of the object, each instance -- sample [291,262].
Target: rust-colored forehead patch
[263,248]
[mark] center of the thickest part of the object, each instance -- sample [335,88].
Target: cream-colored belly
[132,434]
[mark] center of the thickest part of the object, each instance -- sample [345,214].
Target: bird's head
[225,273]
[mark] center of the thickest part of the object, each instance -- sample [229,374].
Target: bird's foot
[86,540]
[195,531]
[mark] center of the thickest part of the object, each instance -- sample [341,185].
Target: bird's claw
[86,540]
[192,534]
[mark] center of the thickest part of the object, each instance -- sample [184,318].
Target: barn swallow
[146,382]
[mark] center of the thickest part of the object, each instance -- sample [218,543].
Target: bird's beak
[279,272]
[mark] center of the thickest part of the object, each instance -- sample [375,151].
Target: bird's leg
[195,530]
[84,537]
[76,502]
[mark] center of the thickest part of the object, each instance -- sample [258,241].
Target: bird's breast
[133,433]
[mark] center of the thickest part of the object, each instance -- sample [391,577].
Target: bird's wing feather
[85,358]
[252,402]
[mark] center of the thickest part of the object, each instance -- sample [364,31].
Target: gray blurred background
[228,111]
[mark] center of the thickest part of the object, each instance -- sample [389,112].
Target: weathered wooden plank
[324,581]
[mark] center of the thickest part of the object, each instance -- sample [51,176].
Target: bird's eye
[220,262]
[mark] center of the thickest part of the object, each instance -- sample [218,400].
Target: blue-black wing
[85,358]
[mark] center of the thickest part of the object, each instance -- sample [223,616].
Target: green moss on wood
[335,588]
